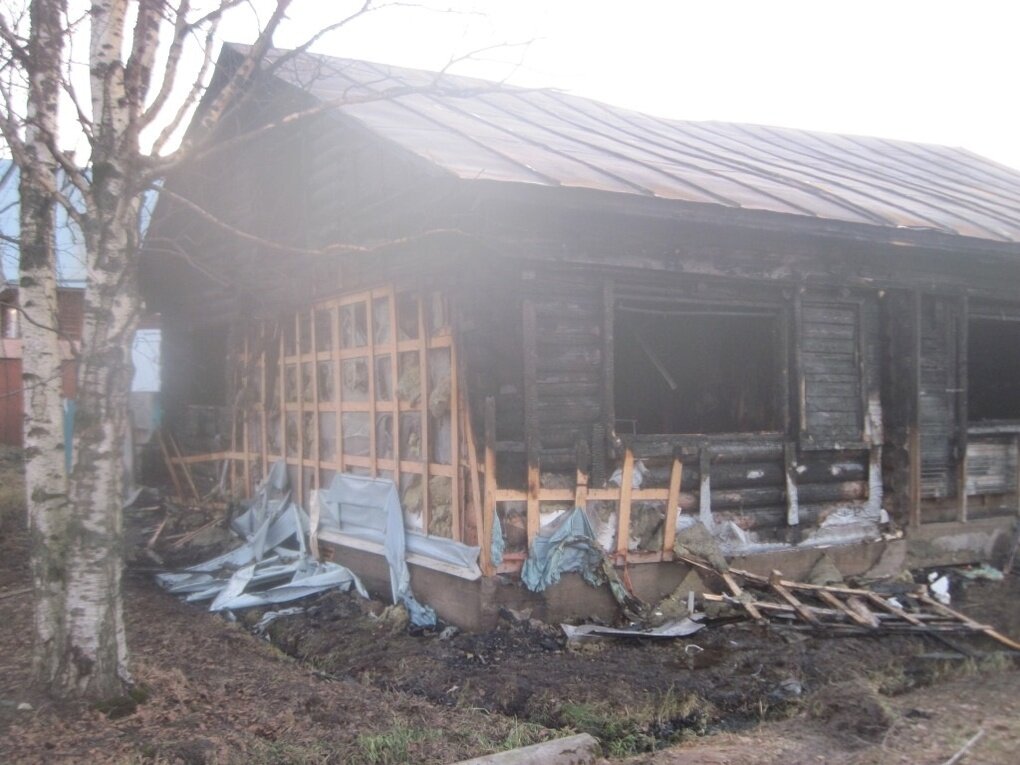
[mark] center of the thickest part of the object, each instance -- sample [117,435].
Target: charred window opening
[993,370]
[690,368]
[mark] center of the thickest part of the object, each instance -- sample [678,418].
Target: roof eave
[759,220]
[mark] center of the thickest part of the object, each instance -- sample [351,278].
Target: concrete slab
[475,605]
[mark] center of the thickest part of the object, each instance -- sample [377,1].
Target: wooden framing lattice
[365,383]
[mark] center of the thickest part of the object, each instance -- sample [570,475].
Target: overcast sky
[934,71]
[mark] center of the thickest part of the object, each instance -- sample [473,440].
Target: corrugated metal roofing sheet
[477,130]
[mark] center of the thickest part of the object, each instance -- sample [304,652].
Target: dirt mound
[851,711]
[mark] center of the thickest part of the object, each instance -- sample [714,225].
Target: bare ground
[347,682]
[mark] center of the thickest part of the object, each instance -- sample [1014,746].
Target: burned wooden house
[514,302]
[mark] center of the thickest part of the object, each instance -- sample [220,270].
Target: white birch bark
[95,647]
[77,556]
[45,479]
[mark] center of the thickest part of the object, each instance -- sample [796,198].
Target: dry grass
[12,490]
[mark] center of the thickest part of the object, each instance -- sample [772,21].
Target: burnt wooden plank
[626,487]
[991,466]
[937,397]
[830,354]
[834,404]
[576,360]
[672,504]
[843,331]
[567,409]
[813,313]
[550,391]
[831,344]
[608,371]
[489,512]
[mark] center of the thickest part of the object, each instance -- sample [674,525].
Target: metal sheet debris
[271,616]
[245,576]
[669,630]
[982,572]
[369,509]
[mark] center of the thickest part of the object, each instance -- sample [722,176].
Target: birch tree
[136,50]
[38,65]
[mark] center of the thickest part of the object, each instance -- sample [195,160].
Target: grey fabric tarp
[498,546]
[568,544]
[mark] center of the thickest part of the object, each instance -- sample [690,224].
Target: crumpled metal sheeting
[673,629]
[366,508]
[271,616]
[308,578]
[266,525]
[369,508]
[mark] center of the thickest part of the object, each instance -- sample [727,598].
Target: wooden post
[626,488]
[391,297]
[373,440]
[914,424]
[792,503]
[490,476]
[338,388]
[784,364]
[245,436]
[426,446]
[581,480]
[264,399]
[316,437]
[171,468]
[476,491]
[534,486]
[299,490]
[1016,443]
[608,362]
[800,389]
[457,489]
[672,505]
[962,339]
[184,467]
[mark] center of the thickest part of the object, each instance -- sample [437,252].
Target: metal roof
[478,130]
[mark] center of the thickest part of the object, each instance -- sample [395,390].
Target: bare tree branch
[243,74]
[366,7]
[194,94]
[333,249]
[138,69]
[171,66]
[19,51]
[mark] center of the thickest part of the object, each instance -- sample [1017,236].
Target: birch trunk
[95,648]
[45,474]
[77,520]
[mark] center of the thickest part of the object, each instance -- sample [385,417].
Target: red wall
[70,304]
[10,402]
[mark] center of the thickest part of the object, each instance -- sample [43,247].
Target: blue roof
[70,246]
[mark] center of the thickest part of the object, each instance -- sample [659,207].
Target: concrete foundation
[475,605]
